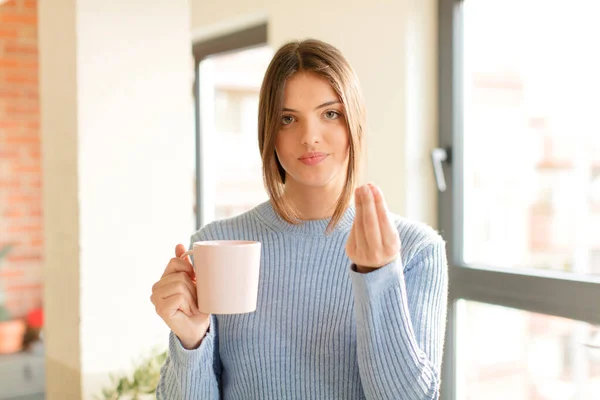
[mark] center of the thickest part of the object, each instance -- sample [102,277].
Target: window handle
[438,157]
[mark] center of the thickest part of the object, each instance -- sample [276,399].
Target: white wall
[392,47]
[117,127]
[421,134]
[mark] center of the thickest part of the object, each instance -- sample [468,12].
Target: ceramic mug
[227,274]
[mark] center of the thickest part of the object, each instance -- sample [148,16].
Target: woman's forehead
[307,90]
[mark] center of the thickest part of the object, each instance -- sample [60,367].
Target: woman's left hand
[374,240]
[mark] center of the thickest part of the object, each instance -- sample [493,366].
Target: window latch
[438,157]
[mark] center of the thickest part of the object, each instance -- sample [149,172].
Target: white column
[117,130]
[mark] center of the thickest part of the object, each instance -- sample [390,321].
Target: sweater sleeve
[401,319]
[191,374]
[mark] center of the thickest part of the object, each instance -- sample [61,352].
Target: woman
[352,299]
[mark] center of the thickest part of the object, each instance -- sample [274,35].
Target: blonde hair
[327,62]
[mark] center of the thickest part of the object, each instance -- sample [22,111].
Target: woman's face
[312,142]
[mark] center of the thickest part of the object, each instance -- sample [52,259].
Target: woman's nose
[311,133]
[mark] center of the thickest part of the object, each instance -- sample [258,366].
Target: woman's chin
[316,181]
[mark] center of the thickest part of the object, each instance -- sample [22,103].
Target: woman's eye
[332,114]
[287,119]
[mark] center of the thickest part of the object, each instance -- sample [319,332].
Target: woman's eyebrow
[328,103]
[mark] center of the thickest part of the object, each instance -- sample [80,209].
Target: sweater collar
[317,227]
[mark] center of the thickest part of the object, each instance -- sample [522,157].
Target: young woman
[352,299]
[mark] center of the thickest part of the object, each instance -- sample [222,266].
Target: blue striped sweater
[321,330]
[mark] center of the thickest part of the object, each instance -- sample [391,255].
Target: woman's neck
[312,202]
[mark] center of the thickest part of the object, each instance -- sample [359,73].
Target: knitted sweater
[321,330]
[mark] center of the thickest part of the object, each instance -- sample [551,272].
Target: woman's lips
[313,158]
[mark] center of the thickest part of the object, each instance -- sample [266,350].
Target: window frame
[554,293]
[239,40]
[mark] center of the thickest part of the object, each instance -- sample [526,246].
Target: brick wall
[20,162]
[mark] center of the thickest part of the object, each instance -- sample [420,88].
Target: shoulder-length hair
[326,61]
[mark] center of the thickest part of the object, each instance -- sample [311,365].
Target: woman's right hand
[174,297]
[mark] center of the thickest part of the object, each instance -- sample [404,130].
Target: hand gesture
[374,240]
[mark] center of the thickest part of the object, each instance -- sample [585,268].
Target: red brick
[26,286]
[7,273]
[19,228]
[6,153]
[16,133]
[16,63]
[30,95]
[23,119]
[9,62]
[12,212]
[9,33]
[34,64]
[20,157]
[10,5]
[21,78]
[22,49]
[9,182]
[28,33]
[36,184]
[32,168]
[20,199]
[30,4]
[17,109]
[35,153]
[14,18]
[21,133]
[24,257]
[21,140]
[9,94]
[10,124]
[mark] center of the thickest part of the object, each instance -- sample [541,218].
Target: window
[504,353]
[229,75]
[518,98]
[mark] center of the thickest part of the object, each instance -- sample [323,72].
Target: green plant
[4,314]
[4,252]
[141,384]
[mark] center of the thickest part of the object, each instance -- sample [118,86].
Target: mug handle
[187,253]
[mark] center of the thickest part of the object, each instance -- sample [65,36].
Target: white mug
[227,275]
